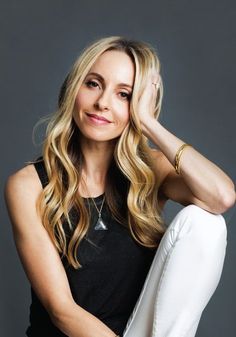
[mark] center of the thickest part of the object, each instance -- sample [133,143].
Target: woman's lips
[97,120]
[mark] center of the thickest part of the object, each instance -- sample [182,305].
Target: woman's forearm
[74,321]
[194,165]
[207,181]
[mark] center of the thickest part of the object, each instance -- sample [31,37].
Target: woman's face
[105,92]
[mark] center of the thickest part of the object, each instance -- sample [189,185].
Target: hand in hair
[147,101]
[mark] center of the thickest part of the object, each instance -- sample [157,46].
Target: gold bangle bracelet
[178,155]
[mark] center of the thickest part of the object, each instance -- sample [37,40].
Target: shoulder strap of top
[41,170]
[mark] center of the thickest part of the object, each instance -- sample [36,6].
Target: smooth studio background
[195,41]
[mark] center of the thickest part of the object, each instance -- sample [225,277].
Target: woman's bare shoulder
[23,180]
[155,152]
[159,160]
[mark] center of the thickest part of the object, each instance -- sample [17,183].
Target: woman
[86,215]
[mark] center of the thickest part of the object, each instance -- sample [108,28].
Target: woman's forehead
[116,66]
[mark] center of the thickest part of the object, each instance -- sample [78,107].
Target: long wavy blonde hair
[131,186]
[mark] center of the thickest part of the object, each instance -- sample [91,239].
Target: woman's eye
[95,84]
[91,84]
[127,96]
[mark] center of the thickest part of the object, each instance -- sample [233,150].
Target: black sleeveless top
[114,268]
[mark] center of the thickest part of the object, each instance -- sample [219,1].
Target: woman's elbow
[229,199]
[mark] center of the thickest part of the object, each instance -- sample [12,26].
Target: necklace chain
[100,225]
[99,211]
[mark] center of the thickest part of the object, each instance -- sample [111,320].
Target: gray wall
[196,45]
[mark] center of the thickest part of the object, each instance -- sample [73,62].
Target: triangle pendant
[100,225]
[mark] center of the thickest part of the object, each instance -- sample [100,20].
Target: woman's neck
[97,157]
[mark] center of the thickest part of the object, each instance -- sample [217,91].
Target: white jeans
[183,276]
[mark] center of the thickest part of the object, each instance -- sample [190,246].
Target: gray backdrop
[196,45]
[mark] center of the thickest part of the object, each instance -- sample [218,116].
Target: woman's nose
[103,102]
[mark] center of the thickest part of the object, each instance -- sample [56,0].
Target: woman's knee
[206,227]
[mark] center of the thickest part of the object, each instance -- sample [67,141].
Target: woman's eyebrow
[102,79]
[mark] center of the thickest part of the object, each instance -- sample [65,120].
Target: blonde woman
[87,214]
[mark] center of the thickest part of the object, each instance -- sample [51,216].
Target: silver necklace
[100,224]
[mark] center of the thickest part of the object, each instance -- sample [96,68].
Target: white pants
[183,276]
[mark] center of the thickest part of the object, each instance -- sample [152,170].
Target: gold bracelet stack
[178,155]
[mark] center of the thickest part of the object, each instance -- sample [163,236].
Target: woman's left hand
[148,99]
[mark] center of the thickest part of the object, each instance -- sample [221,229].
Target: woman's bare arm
[41,261]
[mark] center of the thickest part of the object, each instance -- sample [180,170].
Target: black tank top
[112,274]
